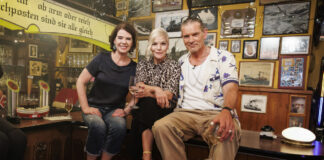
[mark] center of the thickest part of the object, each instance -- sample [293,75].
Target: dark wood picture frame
[297,105]
[250,49]
[292,72]
[296,121]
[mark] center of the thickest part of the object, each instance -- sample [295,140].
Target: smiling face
[123,42]
[193,37]
[159,48]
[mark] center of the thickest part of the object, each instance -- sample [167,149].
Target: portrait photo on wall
[162,5]
[295,45]
[33,51]
[143,26]
[295,121]
[171,21]
[139,8]
[250,49]
[297,104]
[238,23]
[260,76]
[236,46]
[254,103]
[223,45]
[269,48]
[211,39]
[294,21]
[208,16]
[292,72]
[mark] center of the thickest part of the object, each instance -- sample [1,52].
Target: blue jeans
[105,133]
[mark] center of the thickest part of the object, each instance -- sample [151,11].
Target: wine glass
[68,105]
[133,89]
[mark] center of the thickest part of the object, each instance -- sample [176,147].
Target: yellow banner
[39,16]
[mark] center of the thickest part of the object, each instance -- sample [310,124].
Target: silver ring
[229,131]
[211,123]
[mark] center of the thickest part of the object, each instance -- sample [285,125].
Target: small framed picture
[250,49]
[141,49]
[260,76]
[211,39]
[120,5]
[269,48]
[35,68]
[162,6]
[33,51]
[236,46]
[171,21]
[295,121]
[292,72]
[207,15]
[297,104]
[143,26]
[254,103]
[295,45]
[223,45]
[139,8]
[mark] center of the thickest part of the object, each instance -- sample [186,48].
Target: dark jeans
[12,141]
[105,133]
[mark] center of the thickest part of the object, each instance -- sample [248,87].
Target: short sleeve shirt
[110,86]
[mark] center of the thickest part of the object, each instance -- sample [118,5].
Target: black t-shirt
[110,86]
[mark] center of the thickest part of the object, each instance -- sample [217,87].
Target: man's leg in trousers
[226,150]
[169,134]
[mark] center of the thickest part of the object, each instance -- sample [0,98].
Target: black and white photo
[254,103]
[143,26]
[295,45]
[176,48]
[211,39]
[139,8]
[208,16]
[141,49]
[236,46]
[250,49]
[33,51]
[286,18]
[171,21]
[269,48]
[163,5]
[223,45]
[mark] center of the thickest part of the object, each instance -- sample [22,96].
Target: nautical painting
[260,76]
[254,103]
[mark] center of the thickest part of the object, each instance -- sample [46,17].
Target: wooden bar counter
[65,139]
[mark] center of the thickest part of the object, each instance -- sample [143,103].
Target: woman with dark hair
[12,140]
[103,108]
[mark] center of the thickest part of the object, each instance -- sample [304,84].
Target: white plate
[298,134]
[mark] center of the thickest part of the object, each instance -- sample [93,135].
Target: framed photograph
[141,49]
[236,46]
[250,49]
[286,18]
[295,45]
[139,8]
[254,103]
[260,76]
[269,48]
[208,16]
[176,48]
[33,51]
[162,5]
[292,72]
[295,121]
[171,21]
[80,46]
[211,39]
[143,26]
[35,68]
[297,104]
[205,3]
[223,45]
[120,5]
[238,23]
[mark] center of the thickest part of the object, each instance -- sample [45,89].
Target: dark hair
[192,19]
[127,27]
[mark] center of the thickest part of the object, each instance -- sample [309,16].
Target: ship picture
[257,80]
[252,105]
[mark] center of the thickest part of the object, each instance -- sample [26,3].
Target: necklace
[194,70]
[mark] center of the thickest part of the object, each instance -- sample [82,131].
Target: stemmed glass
[68,105]
[133,89]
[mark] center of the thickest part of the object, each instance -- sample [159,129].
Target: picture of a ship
[257,80]
[252,105]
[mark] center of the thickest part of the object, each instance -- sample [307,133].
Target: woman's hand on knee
[92,110]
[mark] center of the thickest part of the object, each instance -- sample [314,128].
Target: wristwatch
[230,110]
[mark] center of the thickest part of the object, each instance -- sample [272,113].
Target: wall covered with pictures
[253,30]
[275,39]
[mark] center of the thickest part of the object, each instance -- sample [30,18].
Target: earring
[114,48]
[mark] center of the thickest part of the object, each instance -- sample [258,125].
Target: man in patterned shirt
[208,90]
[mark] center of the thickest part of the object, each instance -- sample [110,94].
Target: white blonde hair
[157,32]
